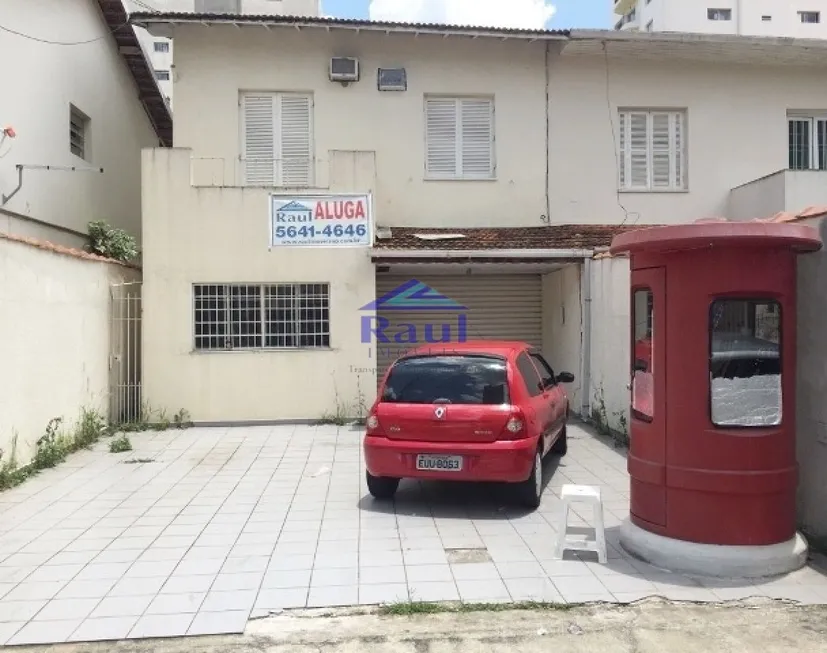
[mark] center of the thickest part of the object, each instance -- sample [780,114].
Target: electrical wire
[617,152]
[48,42]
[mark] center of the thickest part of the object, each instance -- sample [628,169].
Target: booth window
[745,362]
[643,389]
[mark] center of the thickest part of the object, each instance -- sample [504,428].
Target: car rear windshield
[447,379]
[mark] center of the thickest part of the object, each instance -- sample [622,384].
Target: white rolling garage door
[500,307]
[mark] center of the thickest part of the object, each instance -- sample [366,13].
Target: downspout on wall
[586,345]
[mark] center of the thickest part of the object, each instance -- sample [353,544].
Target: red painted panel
[647,451]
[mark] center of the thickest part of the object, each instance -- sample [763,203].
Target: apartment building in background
[159,50]
[785,18]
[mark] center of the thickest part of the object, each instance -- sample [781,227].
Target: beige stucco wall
[736,132]
[786,190]
[54,339]
[563,326]
[729,143]
[811,380]
[220,235]
[610,339]
[40,81]
[212,67]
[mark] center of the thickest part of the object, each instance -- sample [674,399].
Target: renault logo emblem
[440,412]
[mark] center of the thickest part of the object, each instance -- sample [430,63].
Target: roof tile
[565,236]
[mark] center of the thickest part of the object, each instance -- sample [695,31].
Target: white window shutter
[476,138]
[662,150]
[624,150]
[638,150]
[441,156]
[679,179]
[296,156]
[259,140]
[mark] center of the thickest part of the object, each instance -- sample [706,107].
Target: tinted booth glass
[643,388]
[745,362]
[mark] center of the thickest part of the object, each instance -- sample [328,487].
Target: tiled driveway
[197,530]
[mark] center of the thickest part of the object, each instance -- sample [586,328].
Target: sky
[531,14]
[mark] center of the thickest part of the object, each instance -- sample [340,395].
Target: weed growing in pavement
[120,444]
[57,443]
[52,447]
[155,420]
[408,608]
[344,413]
[10,474]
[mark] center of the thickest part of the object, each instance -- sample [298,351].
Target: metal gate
[125,353]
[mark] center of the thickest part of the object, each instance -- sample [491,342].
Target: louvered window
[807,138]
[652,150]
[459,138]
[277,133]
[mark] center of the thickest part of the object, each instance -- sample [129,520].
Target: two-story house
[74,156]
[325,172]
[79,102]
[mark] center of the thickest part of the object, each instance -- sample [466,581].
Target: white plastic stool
[583,494]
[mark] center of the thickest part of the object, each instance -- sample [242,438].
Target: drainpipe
[739,24]
[586,358]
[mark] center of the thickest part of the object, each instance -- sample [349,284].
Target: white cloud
[528,14]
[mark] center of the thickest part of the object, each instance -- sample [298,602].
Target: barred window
[271,316]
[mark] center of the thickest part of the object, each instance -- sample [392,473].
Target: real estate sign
[321,221]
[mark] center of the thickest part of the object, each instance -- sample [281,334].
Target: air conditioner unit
[392,79]
[344,69]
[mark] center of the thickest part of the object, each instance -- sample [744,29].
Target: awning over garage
[518,244]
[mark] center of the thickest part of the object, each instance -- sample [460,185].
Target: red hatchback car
[474,411]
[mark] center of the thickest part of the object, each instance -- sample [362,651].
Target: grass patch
[120,444]
[409,608]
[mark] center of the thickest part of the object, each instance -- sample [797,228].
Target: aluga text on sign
[321,221]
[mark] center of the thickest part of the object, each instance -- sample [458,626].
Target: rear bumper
[505,461]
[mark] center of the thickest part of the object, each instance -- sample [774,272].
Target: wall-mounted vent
[392,79]
[344,69]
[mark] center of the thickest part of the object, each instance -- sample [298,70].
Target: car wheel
[381,487]
[530,491]
[561,445]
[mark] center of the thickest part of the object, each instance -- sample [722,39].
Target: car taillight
[515,425]
[515,428]
[372,423]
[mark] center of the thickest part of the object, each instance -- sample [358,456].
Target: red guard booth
[712,440]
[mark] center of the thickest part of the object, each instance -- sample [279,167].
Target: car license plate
[431,463]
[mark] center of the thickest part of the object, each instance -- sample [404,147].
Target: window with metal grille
[652,150]
[78,132]
[459,138]
[810,16]
[254,316]
[161,46]
[719,14]
[807,142]
[162,75]
[277,134]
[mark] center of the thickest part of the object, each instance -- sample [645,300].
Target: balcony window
[719,14]
[807,138]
